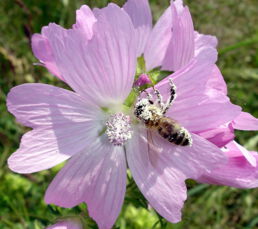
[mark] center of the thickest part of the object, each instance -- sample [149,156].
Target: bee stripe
[180,138]
[173,137]
[185,142]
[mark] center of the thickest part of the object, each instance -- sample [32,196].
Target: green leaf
[156,75]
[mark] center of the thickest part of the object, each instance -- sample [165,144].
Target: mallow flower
[240,171]
[243,121]
[94,125]
[181,44]
[242,167]
[168,45]
[66,224]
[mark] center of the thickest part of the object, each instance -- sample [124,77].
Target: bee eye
[138,110]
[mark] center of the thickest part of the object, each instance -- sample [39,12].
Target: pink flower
[242,168]
[225,133]
[171,43]
[66,224]
[240,171]
[93,127]
[184,44]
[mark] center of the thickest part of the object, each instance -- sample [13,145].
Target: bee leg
[160,99]
[171,97]
[149,96]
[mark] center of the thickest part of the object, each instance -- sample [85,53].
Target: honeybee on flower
[96,128]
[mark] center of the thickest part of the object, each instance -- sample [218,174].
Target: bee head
[141,107]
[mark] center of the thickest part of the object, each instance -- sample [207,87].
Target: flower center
[118,129]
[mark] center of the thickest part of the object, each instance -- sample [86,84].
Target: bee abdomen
[151,123]
[180,137]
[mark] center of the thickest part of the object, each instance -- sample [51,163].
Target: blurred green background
[235,23]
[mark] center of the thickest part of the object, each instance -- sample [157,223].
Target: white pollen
[149,111]
[188,135]
[118,129]
[142,102]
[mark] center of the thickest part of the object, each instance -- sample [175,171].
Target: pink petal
[42,50]
[64,124]
[163,187]
[185,43]
[193,160]
[96,176]
[39,150]
[41,106]
[234,146]
[181,46]
[219,136]
[245,121]
[158,41]
[161,168]
[201,40]
[238,172]
[85,20]
[140,13]
[102,69]
[66,224]
[197,107]
[216,80]
[202,112]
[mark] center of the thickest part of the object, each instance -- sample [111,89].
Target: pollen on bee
[187,136]
[118,129]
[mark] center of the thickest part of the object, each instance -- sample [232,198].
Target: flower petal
[140,13]
[234,146]
[193,160]
[202,112]
[181,46]
[201,40]
[66,224]
[42,50]
[96,176]
[85,20]
[158,41]
[197,107]
[238,172]
[39,105]
[216,80]
[102,69]
[245,121]
[219,136]
[160,169]
[41,46]
[63,125]
[163,187]
[39,150]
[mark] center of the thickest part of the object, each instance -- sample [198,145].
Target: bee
[152,114]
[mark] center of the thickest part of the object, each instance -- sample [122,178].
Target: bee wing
[153,149]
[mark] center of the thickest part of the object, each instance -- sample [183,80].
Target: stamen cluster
[118,129]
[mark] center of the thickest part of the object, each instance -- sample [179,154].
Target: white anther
[118,129]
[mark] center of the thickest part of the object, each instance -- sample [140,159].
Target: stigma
[118,129]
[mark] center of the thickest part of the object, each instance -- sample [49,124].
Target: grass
[209,207]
